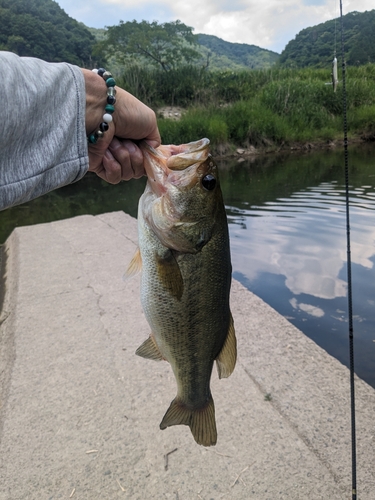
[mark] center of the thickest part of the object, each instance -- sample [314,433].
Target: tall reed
[257,107]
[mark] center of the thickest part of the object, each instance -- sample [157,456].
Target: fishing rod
[349,270]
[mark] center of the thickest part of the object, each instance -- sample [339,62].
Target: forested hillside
[216,54]
[225,55]
[40,28]
[315,46]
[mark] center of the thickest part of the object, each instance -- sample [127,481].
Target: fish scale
[186,275]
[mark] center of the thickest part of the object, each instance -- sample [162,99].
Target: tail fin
[201,421]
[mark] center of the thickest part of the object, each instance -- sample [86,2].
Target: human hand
[115,156]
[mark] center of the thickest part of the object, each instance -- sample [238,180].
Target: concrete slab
[80,413]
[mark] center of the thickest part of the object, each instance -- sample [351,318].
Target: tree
[316,46]
[165,45]
[40,28]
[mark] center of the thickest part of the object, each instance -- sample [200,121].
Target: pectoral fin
[170,274]
[226,360]
[149,350]
[135,265]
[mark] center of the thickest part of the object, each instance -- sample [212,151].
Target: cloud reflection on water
[317,312]
[304,239]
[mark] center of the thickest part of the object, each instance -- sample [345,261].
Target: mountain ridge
[315,46]
[236,54]
[41,28]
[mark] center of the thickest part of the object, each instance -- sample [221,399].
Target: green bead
[110,82]
[110,108]
[92,139]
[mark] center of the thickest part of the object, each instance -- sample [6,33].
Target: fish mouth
[178,157]
[160,163]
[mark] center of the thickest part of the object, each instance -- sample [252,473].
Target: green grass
[253,122]
[258,107]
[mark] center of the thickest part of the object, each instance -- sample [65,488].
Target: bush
[259,106]
[362,120]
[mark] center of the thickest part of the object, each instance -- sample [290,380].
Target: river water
[287,226]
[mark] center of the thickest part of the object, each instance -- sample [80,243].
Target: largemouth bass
[186,277]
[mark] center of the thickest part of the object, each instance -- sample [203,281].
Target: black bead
[101,71]
[111,99]
[104,126]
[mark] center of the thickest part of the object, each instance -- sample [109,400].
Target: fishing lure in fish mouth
[184,256]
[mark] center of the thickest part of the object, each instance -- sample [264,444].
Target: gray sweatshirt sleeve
[43,142]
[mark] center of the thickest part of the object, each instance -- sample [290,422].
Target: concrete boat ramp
[80,413]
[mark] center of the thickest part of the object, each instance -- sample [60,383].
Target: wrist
[106,76]
[95,99]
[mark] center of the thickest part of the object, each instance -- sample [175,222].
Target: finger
[129,156]
[136,158]
[122,157]
[153,144]
[111,171]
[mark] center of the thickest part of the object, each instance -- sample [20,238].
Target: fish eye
[209,182]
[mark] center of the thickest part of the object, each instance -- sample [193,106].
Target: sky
[269,24]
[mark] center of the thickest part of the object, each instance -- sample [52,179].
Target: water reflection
[301,237]
[289,246]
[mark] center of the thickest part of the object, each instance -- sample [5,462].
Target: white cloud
[270,24]
[315,311]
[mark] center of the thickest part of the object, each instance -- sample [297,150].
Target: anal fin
[226,360]
[149,350]
[200,420]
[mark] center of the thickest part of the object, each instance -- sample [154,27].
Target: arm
[43,113]
[49,109]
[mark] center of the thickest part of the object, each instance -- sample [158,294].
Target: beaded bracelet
[110,106]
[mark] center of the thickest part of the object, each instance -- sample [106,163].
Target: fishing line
[335,29]
[349,267]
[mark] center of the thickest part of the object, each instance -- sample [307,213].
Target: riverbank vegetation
[265,109]
[238,95]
